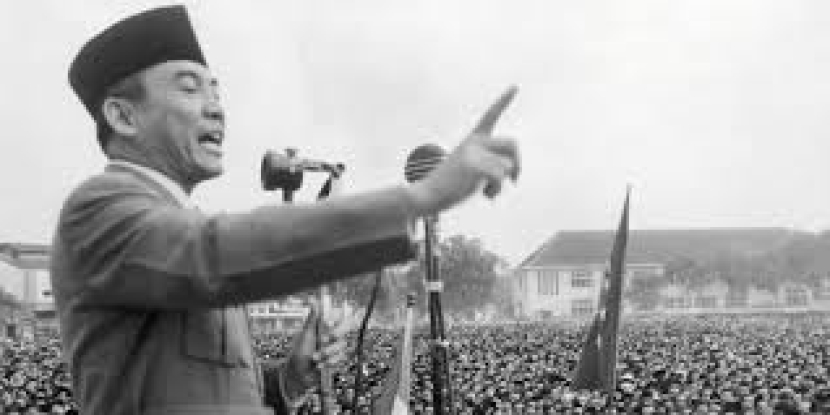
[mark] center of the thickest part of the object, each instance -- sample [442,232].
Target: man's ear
[120,115]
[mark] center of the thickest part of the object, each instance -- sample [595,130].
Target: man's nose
[213,110]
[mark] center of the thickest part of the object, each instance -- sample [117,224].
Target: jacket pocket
[204,336]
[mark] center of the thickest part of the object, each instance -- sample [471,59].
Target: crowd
[33,379]
[743,364]
[723,364]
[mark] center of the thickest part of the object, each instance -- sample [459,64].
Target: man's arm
[137,250]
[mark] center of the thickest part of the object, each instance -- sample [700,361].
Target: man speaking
[150,291]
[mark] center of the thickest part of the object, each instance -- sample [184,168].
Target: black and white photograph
[437,207]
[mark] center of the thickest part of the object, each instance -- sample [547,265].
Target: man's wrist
[418,199]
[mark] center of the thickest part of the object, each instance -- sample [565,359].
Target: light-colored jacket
[149,293]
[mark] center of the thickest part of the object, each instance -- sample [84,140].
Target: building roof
[27,256]
[657,246]
[8,299]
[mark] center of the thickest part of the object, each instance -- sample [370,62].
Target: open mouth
[212,141]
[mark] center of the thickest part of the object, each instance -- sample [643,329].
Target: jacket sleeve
[130,247]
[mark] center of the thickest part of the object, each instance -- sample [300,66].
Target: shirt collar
[168,184]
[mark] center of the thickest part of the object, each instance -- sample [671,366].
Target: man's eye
[188,84]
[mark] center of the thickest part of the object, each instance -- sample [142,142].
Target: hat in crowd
[130,46]
[823,394]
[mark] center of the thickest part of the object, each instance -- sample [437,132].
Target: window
[548,282]
[795,296]
[582,307]
[676,302]
[706,302]
[736,299]
[634,273]
[581,279]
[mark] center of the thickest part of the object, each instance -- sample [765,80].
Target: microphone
[285,171]
[422,160]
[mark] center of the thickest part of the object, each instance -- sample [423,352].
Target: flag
[394,399]
[597,364]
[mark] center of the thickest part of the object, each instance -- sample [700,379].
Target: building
[30,308]
[273,316]
[718,297]
[288,314]
[9,315]
[24,268]
[562,277]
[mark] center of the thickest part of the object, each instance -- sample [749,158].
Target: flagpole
[358,378]
[394,399]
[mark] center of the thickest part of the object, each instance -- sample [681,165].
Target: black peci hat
[129,46]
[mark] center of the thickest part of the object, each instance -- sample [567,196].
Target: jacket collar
[156,178]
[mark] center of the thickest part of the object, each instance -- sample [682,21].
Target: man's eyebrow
[187,73]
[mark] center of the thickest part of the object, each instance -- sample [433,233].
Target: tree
[469,271]
[470,274]
[505,296]
[394,286]
[643,293]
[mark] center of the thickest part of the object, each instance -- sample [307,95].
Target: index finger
[488,121]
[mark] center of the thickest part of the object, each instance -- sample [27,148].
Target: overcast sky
[715,111]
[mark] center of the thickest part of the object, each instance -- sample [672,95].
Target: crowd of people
[34,379]
[723,364]
[739,364]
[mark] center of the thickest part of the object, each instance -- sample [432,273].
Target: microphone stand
[421,161]
[325,383]
[442,399]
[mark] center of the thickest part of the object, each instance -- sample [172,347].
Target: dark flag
[596,369]
[394,399]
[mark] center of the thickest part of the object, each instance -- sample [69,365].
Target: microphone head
[276,173]
[422,161]
[410,299]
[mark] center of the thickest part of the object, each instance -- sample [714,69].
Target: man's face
[181,121]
